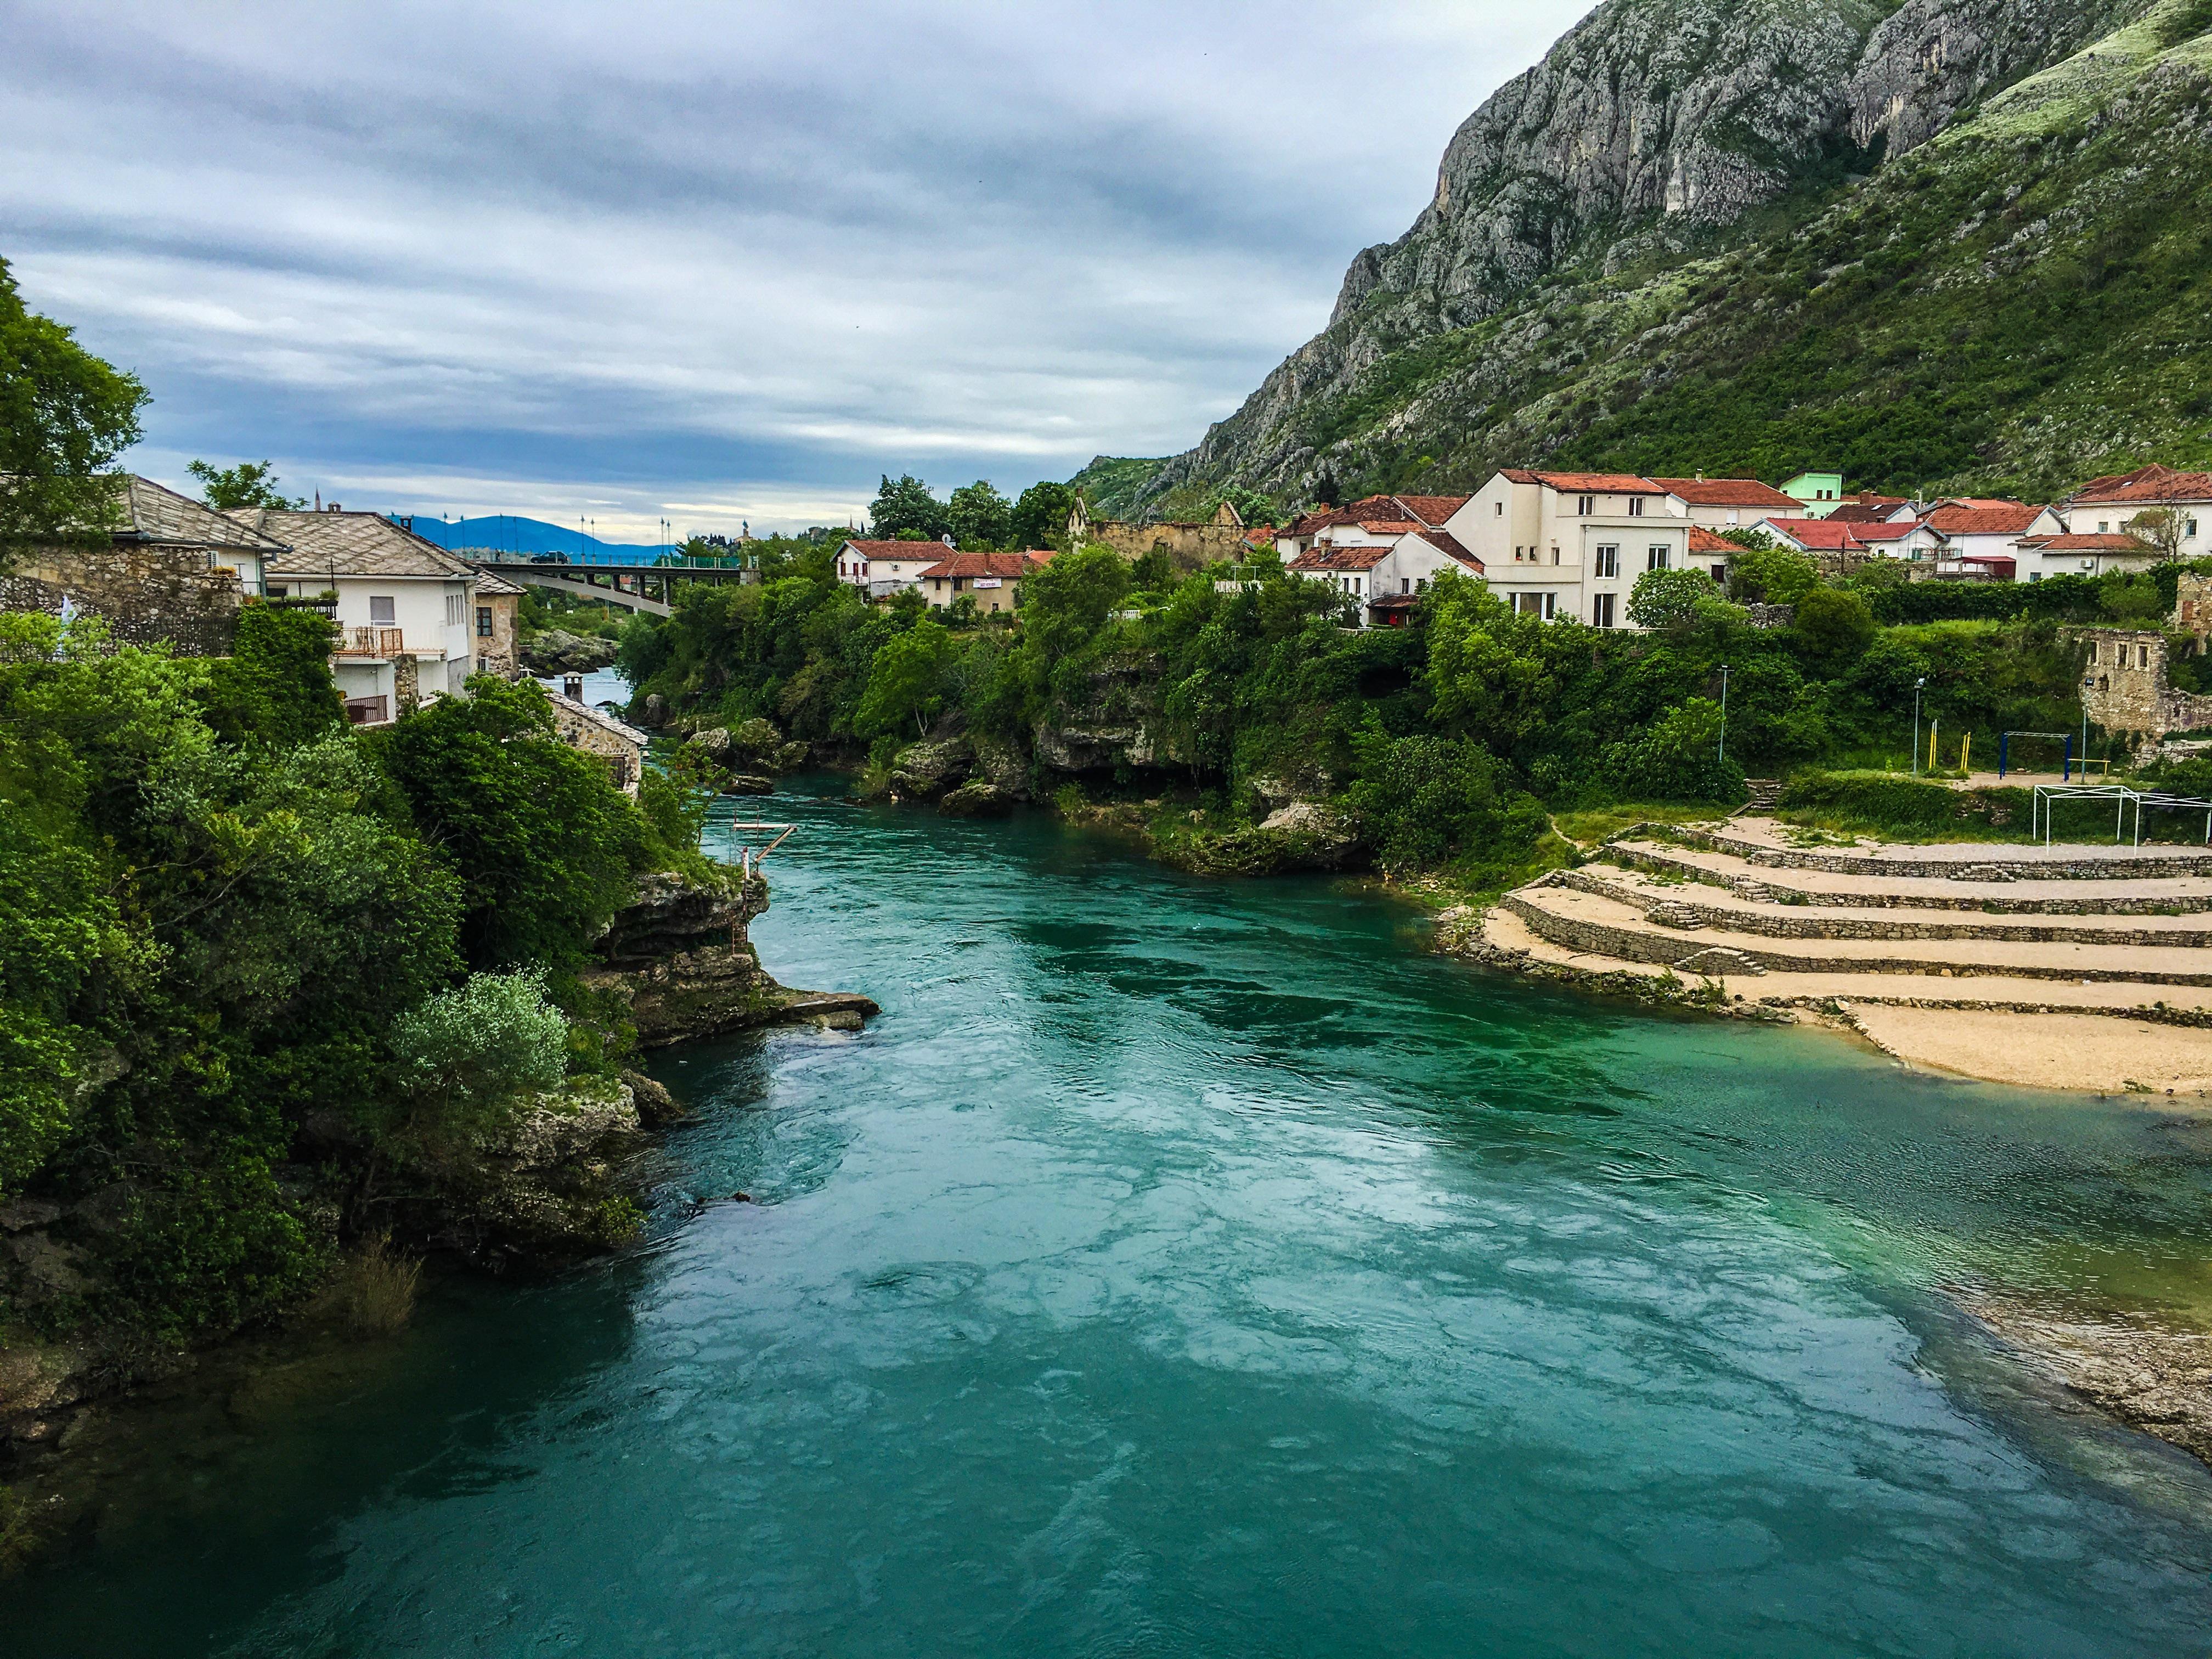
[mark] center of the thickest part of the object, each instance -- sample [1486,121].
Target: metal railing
[749,858]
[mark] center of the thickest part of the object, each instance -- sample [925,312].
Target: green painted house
[1818,493]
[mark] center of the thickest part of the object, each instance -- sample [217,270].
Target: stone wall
[499,653]
[2125,687]
[147,594]
[584,727]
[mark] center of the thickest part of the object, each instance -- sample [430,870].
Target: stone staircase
[1756,917]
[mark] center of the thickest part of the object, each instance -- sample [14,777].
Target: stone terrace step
[1760,841]
[2154,896]
[1685,906]
[1603,925]
[1504,930]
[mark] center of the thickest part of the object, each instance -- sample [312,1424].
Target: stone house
[496,626]
[169,571]
[1192,546]
[2125,689]
[598,732]
[407,610]
[993,580]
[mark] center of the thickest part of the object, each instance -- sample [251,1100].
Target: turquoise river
[1200,1267]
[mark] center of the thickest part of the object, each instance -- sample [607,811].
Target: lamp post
[1723,749]
[1917,685]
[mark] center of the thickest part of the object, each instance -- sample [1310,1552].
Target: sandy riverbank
[2097,1054]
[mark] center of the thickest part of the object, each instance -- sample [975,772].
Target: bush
[373,1294]
[1443,803]
[1669,598]
[1884,801]
[466,1055]
[1677,758]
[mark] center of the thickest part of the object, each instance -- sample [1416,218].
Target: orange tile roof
[1821,535]
[1432,509]
[1005,566]
[2146,486]
[1331,557]
[1598,483]
[1448,545]
[2102,542]
[1727,492]
[898,550]
[1702,540]
[1982,517]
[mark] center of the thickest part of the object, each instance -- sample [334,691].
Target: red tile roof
[2098,544]
[1822,535]
[1702,540]
[1982,517]
[1884,532]
[1432,509]
[1866,512]
[1727,492]
[1331,557]
[1006,566]
[1599,484]
[2146,486]
[1448,545]
[898,550]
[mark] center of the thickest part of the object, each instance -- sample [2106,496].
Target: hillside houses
[2148,501]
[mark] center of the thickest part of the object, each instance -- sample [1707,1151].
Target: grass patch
[1600,824]
[373,1294]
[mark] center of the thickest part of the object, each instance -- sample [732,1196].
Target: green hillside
[1112,484]
[2021,303]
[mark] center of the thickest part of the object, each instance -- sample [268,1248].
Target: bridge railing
[589,561]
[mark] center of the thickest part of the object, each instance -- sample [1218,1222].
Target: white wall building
[2107,506]
[1569,546]
[880,569]
[1382,569]
[1726,503]
[406,606]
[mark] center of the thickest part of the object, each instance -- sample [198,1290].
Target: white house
[1725,503]
[1570,545]
[2089,555]
[2108,506]
[1376,517]
[1384,573]
[406,606]
[879,569]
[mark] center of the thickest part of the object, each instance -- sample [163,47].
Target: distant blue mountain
[509,533]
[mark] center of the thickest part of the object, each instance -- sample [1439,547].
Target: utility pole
[1917,685]
[1724,749]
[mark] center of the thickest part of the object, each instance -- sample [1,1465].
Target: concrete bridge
[647,588]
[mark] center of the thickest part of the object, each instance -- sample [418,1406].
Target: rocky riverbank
[560,1178]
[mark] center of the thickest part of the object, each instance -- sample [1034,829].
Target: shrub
[1885,802]
[1677,758]
[373,1294]
[466,1055]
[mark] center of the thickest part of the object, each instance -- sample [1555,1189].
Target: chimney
[573,688]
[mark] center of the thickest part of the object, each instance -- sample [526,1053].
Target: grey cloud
[828,240]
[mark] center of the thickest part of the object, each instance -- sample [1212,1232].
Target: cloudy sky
[711,261]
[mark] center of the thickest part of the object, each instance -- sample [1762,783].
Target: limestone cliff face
[1650,126]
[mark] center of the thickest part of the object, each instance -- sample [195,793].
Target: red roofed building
[1569,546]
[992,580]
[1726,503]
[1384,574]
[1711,552]
[2110,505]
[2090,555]
[877,568]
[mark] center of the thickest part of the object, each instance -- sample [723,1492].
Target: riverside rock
[976,799]
[556,651]
[924,771]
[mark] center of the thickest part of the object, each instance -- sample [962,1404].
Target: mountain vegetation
[1953,247]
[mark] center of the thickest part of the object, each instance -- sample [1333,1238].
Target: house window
[1719,575]
[1655,558]
[2191,532]
[1501,508]
[381,609]
[483,622]
[1585,505]
[2104,527]
[1601,609]
[2142,656]
[1608,561]
[1636,506]
[1734,516]
[1405,583]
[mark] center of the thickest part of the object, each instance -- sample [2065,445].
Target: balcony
[371,642]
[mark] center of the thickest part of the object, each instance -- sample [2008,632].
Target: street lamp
[1917,685]
[1723,751]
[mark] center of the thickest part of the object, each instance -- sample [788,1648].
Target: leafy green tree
[275,685]
[1676,759]
[906,681]
[1040,516]
[907,509]
[1068,601]
[1253,507]
[466,1056]
[64,416]
[1833,628]
[544,844]
[1669,598]
[250,483]
[979,516]
[1773,574]
[1427,803]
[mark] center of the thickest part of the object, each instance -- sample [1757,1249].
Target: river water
[1197,1267]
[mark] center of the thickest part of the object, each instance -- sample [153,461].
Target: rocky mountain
[1627,220]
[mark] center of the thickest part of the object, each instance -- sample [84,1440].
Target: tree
[2161,527]
[544,844]
[1669,598]
[1252,506]
[1068,601]
[1833,628]
[1040,516]
[979,516]
[1772,574]
[1677,758]
[64,416]
[250,483]
[906,681]
[275,685]
[908,508]
[466,1055]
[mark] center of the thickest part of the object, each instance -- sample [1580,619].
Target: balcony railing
[371,642]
